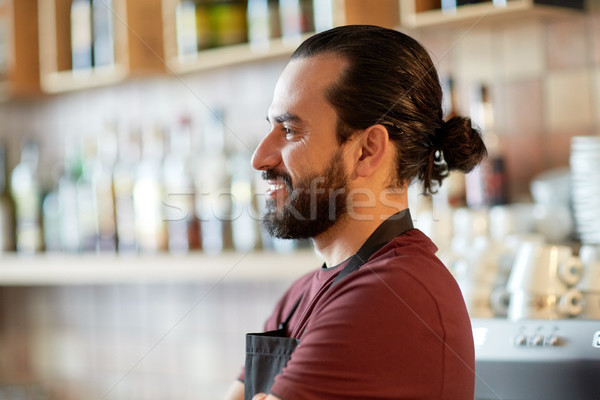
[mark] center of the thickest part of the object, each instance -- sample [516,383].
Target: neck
[351,231]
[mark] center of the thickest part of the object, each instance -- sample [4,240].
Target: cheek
[297,160]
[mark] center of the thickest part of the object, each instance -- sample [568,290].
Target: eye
[289,133]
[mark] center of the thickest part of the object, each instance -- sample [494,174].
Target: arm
[236,391]
[262,396]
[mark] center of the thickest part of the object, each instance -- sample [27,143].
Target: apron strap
[283,325]
[394,226]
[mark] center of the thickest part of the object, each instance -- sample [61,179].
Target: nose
[268,153]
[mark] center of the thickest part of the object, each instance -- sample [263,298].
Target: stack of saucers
[585,187]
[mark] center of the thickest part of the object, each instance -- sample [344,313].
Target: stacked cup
[589,284]
[542,283]
[585,174]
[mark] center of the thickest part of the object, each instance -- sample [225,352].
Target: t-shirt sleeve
[376,335]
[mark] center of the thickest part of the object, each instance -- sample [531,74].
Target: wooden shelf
[64,81]
[235,54]
[61,269]
[471,14]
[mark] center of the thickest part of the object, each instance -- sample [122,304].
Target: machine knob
[521,340]
[552,340]
[537,340]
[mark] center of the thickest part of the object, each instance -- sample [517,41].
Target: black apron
[267,353]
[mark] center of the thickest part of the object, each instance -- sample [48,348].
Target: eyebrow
[286,117]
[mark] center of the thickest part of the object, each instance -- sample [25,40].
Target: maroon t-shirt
[395,329]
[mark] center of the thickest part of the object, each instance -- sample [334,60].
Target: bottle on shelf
[244,220]
[150,227]
[211,184]
[296,18]
[103,33]
[63,203]
[186,29]
[258,21]
[452,5]
[454,185]
[203,34]
[323,13]
[291,19]
[26,193]
[51,222]
[228,22]
[86,203]
[486,184]
[308,16]
[102,179]
[7,223]
[264,23]
[82,54]
[178,200]
[4,46]
[123,181]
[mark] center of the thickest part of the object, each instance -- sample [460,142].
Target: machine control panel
[537,340]
[540,340]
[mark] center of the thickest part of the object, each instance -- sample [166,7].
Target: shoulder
[403,276]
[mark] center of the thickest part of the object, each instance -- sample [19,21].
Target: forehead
[303,83]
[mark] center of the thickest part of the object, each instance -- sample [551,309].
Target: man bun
[457,146]
[462,144]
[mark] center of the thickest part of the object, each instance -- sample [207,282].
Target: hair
[391,80]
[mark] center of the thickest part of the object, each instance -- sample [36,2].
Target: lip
[276,188]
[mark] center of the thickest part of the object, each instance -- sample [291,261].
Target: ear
[373,145]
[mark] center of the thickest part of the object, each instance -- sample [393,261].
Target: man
[356,116]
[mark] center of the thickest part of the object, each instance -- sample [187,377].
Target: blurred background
[132,259]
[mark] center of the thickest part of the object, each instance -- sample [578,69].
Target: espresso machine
[537,359]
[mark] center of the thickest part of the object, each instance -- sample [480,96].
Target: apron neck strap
[392,227]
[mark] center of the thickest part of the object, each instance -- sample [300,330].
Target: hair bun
[462,144]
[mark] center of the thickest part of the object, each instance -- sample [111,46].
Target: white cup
[590,278]
[554,221]
[511,219]
[526,305]
[543,269]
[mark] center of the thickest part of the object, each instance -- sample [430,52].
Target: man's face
[300,156]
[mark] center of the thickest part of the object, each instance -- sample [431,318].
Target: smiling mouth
[273,186]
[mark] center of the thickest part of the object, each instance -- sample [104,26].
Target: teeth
[276,186]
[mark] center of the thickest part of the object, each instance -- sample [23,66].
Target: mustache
[271,174]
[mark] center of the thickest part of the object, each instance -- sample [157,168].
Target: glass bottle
[178,199]
[26,193]
[185,26]
[150,227]
[454,185]
[103,33]
[123,180]
[228,22]
[211,184]
[258,22]
[81,35]
[244,225]
[67,199]
[203,33]
[7,224]
[291,19]
[486,184]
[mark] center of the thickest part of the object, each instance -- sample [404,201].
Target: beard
[314,203]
